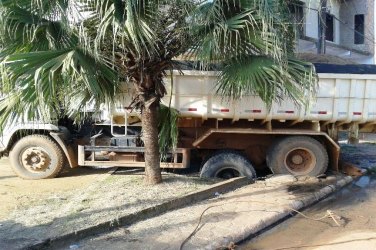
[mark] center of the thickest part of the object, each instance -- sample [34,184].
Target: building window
[297,12]
[329,33]
[359,29]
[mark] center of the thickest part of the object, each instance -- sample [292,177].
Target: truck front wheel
[36,157]
[226,165]
[297,155]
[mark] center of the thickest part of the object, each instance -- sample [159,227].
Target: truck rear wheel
[36,157]
[298,155]
[226,165]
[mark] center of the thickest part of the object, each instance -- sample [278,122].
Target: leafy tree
[80,50]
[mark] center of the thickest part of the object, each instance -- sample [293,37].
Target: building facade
[350,28]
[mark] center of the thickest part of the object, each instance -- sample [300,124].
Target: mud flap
[68,150]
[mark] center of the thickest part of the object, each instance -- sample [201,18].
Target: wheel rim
[227,173]
[35,159]
[300,161]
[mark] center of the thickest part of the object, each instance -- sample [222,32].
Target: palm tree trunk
[150,137]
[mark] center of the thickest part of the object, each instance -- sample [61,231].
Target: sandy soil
[16,193]
[38,210]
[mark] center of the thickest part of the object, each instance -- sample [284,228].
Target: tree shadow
[81,171]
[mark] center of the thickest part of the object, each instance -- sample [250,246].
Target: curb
[188,199]
[299,205]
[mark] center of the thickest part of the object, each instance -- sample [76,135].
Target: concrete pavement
[354,204]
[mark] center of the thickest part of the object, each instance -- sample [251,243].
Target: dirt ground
[33,211]
[16,192]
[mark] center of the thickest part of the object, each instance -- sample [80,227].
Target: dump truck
[227,138]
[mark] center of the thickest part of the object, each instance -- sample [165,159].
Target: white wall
[374,35]
[311,18]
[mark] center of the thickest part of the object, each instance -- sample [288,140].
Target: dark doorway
[359,29]
[329,34]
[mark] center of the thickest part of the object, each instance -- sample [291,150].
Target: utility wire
[328,214]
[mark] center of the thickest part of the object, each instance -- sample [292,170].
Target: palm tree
[50,49]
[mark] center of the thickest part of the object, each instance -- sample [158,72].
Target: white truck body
[211,124]
[340,98]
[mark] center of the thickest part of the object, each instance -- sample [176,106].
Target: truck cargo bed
[340,98]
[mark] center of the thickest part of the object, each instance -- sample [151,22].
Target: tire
[226,165]
[298,155]
[36,157]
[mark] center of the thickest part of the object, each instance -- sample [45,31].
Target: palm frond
[24,28]
[272,81]
[228,28]
[39,80]
[128,23]
[168,129]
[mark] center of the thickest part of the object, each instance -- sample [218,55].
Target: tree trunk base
[150,137]
[150,180]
